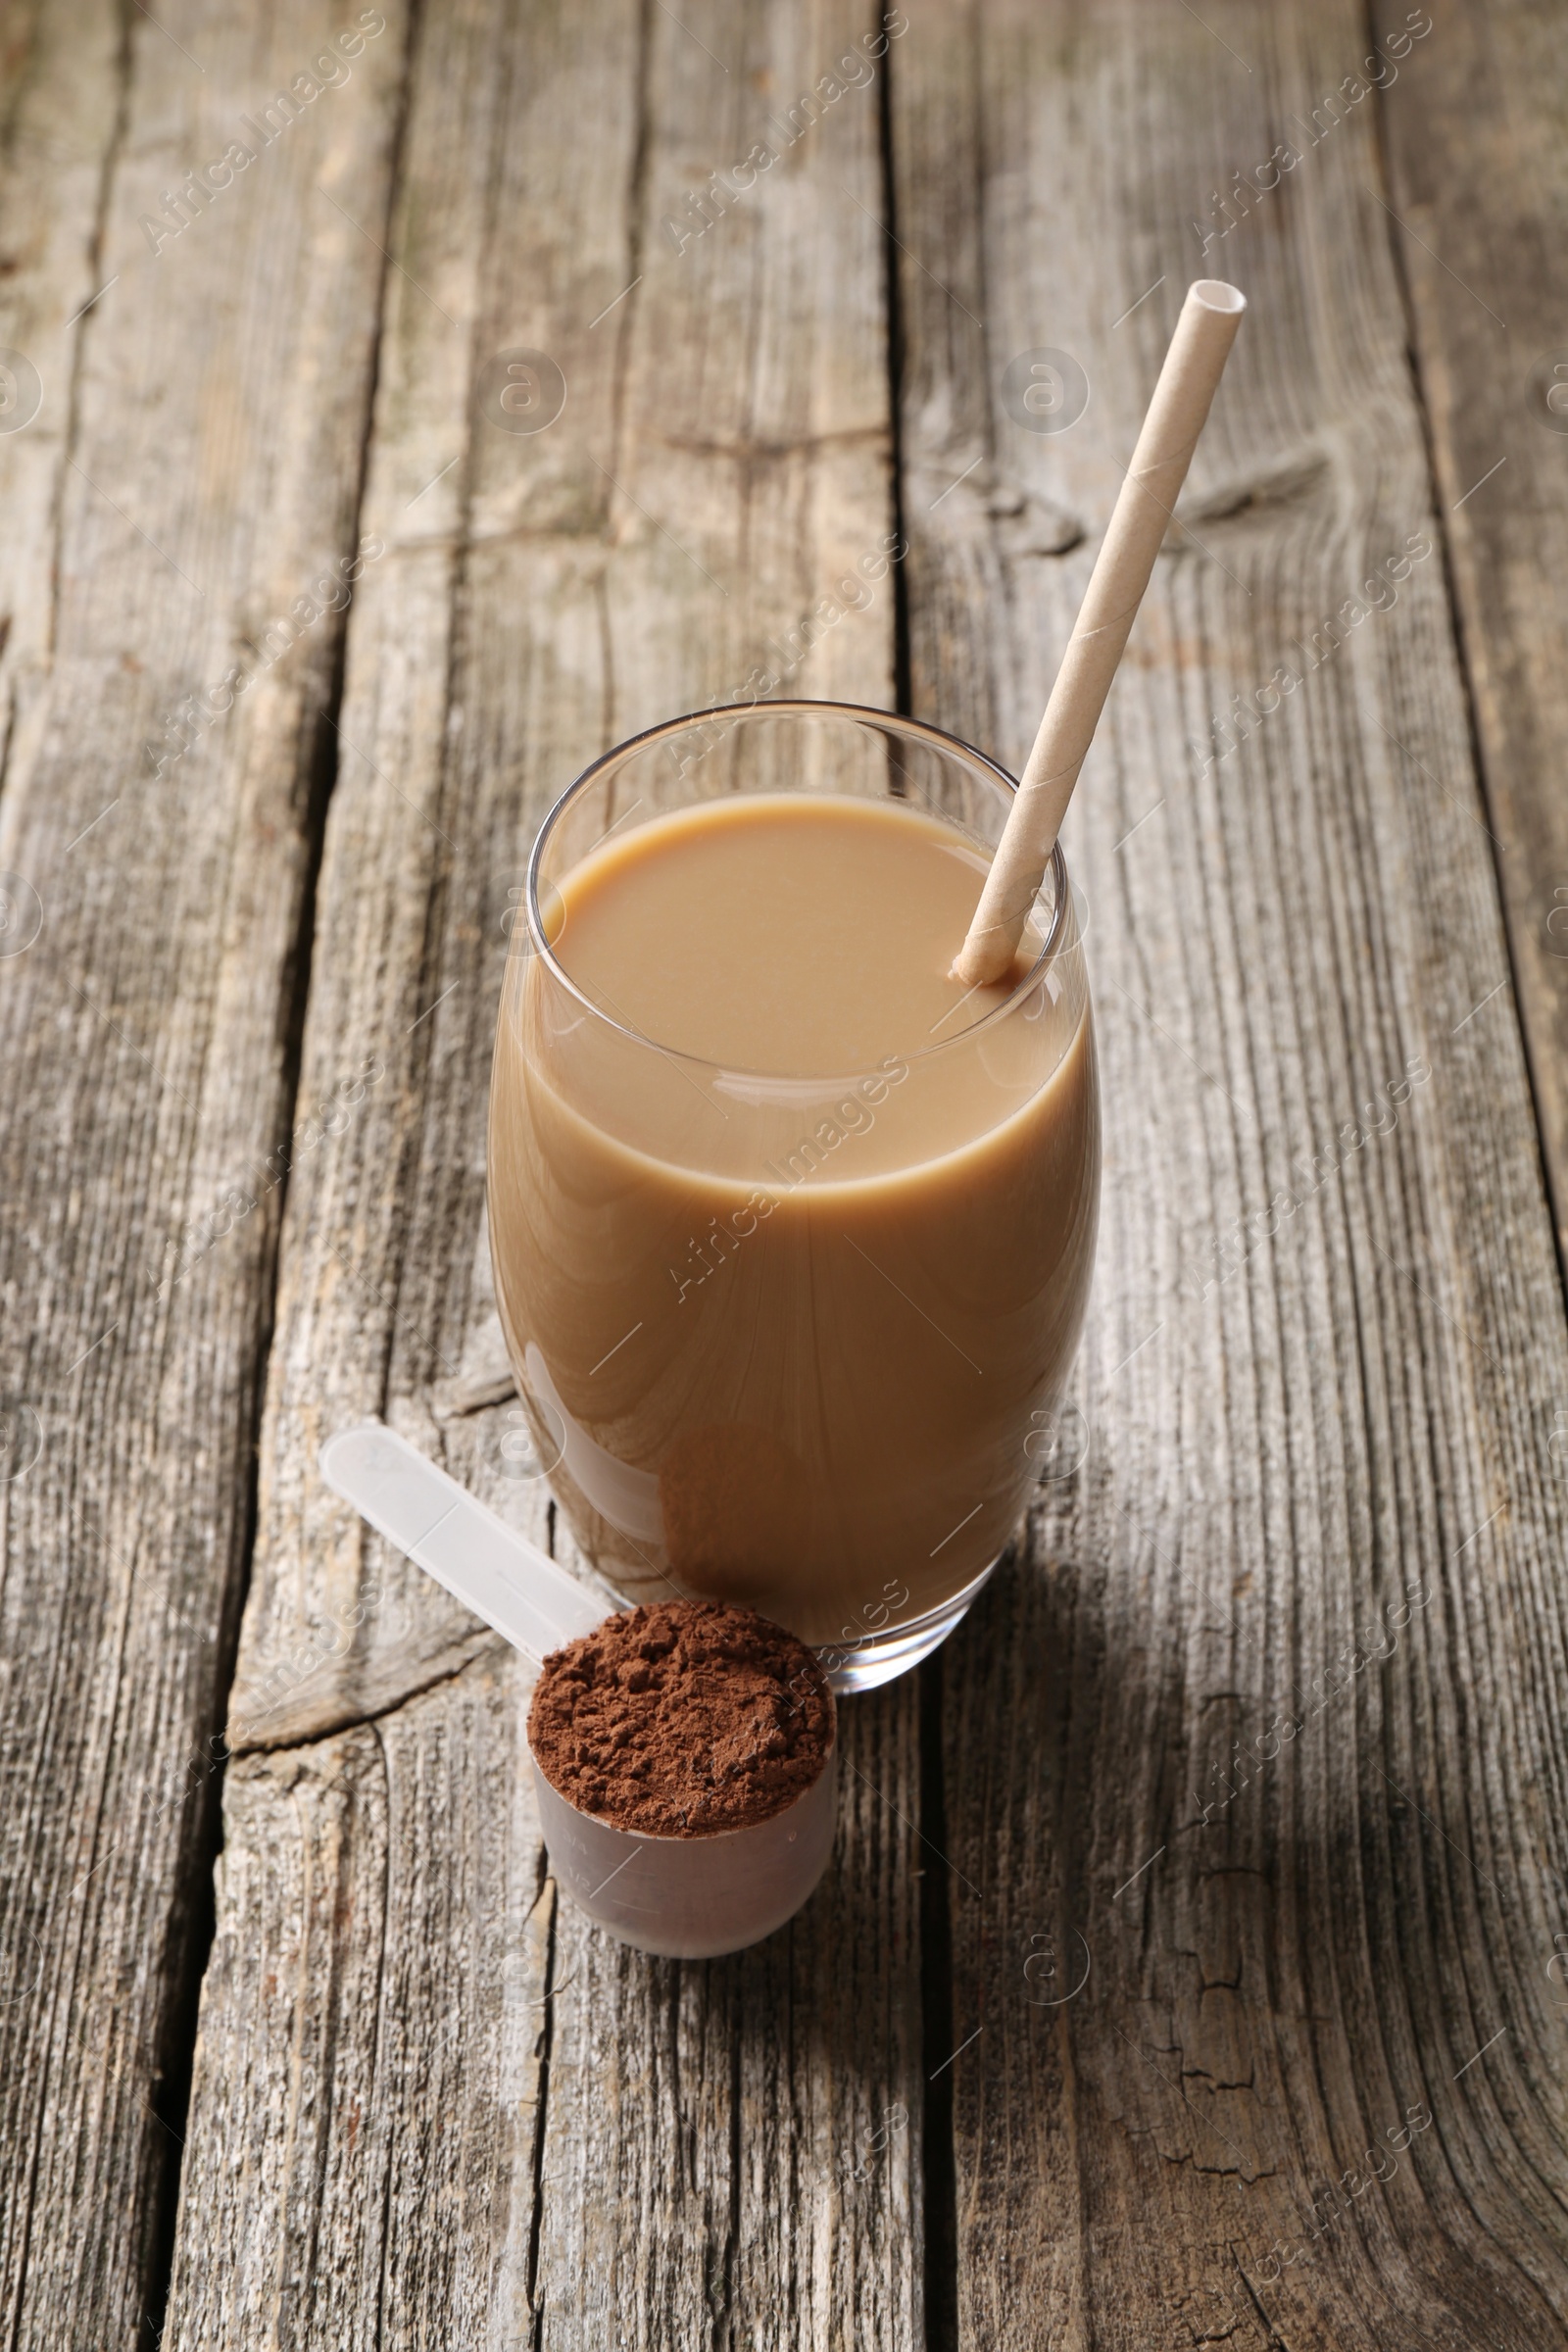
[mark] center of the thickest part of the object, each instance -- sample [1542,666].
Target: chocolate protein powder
[682,1720]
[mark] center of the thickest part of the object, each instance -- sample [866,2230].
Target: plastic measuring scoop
[692,1897]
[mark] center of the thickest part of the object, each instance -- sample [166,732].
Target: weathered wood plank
[183,483]
[340,1872]
[1292,1940]
[756,428]
[732,2150]
[723,453]
[58,99]
[1481,252]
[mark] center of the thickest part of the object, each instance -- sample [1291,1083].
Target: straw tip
[1215,295]
[984,958]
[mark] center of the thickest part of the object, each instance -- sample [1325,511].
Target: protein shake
[792,1236]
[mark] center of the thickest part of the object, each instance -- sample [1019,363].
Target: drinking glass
[791,1341]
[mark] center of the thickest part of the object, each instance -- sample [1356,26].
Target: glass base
[882,1657]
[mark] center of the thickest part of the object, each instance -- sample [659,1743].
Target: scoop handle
[457,1540]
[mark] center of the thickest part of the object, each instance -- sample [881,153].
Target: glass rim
[797,706]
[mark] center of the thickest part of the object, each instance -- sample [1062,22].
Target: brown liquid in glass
[796,1328]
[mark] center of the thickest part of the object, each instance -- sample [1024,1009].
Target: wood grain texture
[62,89]
[1292,1940]
[373,2154]
[703,2166]
[184,480]
[1482,256]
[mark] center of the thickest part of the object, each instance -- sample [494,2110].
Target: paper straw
[1194,364]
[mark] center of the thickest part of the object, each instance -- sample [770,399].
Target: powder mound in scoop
[682,1720]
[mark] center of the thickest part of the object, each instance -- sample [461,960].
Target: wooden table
[1194,1963]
